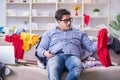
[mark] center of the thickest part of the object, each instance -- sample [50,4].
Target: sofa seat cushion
[35,73]
[101,73]
[26,73]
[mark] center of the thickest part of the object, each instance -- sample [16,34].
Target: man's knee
[55,62]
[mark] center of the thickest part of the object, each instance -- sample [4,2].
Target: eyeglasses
[67,20]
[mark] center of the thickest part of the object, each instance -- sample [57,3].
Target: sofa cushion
[26,73]
[35,73]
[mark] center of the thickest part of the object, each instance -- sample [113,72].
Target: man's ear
[58,21]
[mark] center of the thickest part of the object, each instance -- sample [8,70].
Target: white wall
[114,10]
[2,12]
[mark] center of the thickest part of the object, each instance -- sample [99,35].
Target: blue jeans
[57,64]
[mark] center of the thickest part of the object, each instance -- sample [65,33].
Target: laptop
[7,55]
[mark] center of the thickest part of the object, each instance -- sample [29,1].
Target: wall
[114,8]
[2,12]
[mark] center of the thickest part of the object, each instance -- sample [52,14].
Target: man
[63,46]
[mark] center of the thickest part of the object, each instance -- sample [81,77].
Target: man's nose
[69,22]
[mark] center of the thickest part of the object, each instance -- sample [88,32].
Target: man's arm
[42,50]
[87,44]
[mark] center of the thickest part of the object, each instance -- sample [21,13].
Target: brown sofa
[20,72]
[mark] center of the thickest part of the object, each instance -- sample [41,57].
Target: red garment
[102,51]
[17,43]
[86,19]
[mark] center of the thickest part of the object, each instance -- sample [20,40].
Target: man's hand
[48,54]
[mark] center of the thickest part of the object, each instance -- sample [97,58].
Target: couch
[21,72]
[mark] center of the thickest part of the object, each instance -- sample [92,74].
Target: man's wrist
[44,53]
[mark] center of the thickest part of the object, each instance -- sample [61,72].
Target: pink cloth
[17,43]
[102,50]
[86,19]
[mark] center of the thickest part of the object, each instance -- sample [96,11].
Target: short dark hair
[60,12]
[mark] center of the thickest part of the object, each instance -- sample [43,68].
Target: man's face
[65,22]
